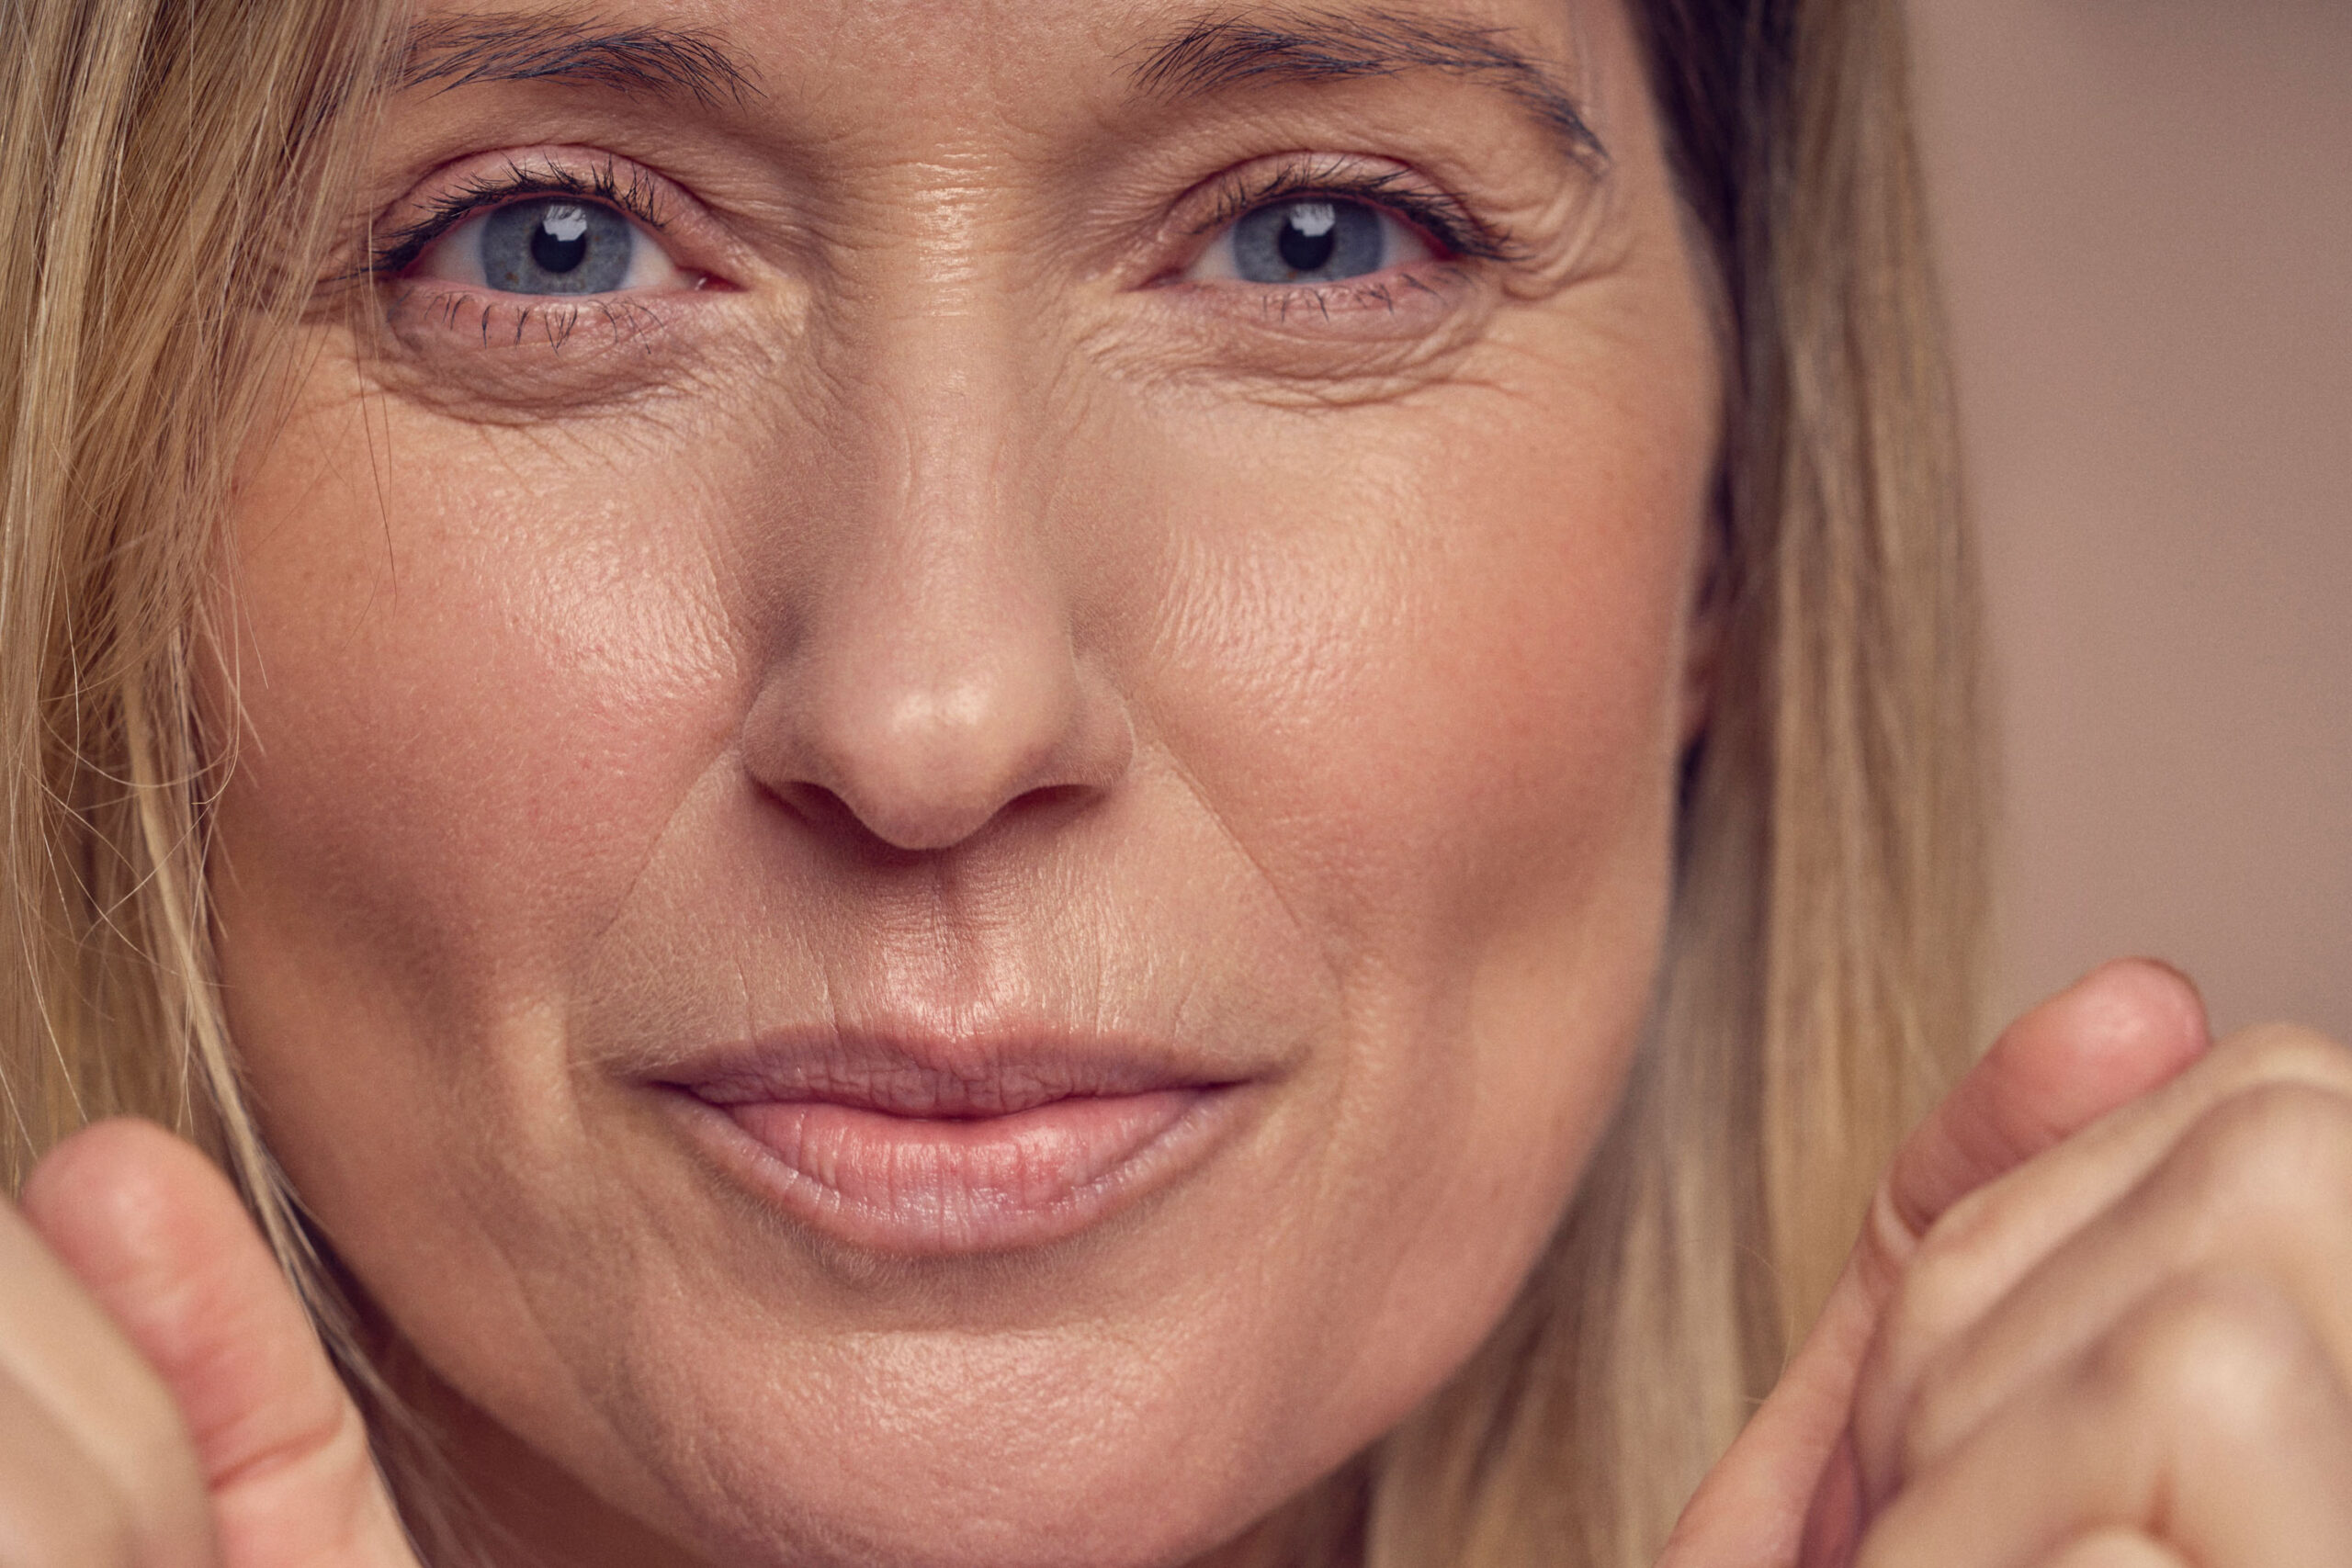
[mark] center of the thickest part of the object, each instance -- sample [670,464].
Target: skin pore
[941,628]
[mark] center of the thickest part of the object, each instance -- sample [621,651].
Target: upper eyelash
[394,252]
[1448,221]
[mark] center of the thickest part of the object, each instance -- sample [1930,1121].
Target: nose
[929,703]
[936,683]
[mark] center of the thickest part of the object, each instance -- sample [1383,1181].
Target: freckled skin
[955,612]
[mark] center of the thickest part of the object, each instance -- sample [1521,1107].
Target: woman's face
[959,756]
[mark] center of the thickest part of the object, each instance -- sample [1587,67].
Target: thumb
[1786,1491]
[157,1236]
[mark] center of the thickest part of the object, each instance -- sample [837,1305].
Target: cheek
[1437,702]
[471,700]
[1440,695]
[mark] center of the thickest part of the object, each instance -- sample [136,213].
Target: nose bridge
[946,556]
[934,681]
[941,398]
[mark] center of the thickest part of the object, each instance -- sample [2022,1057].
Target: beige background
[2144,209]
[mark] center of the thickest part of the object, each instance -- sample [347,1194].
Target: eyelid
[472,188]
[1219,262]
[1403,193]
[446,258]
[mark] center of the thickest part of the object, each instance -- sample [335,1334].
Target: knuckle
[1944,1405]
[2276,1154]
[2282,1053]
[1942,1283]
[1911,1395]
[1947,1257]
[2226,1351]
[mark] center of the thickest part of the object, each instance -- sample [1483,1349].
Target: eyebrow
[459,51]
[1306,46]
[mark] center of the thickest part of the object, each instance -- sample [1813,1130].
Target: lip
[930,1146]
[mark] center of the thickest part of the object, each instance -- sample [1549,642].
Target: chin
[1079,1494]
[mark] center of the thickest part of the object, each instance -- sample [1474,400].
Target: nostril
[896,835]
[820,808]
[896,821]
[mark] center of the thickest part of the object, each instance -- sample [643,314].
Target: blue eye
[1308,241]
[559,244]
[556,247]
[1319,239]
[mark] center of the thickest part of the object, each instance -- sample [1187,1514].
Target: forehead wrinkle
[1309,45]
[461,49]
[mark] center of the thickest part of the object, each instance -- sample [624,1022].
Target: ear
[1707,617]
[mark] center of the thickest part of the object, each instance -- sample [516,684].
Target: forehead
[973,60]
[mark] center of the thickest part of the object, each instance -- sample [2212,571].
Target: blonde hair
[1820,981]
[170,174]
[165,168]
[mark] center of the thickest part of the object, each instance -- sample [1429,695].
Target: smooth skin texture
[941,598]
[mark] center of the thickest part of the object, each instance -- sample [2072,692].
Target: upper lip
[934,1075]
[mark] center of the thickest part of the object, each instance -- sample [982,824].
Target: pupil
[1302,252]
[556,254]
[556,247]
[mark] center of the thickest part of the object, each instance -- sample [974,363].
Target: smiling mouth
[938,1147]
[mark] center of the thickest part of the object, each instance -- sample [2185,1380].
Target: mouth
[919,1145]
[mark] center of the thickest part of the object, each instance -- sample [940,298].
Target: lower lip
[927,1185]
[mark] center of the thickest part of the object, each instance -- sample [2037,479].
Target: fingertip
[155,1232]
[2168,995]
[2124,1028]
[122,1191]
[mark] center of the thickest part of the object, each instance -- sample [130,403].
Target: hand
[164,1403]
[2135,1348]
[2121,1032]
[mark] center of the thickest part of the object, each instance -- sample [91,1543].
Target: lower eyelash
[551,321]
[1353,294]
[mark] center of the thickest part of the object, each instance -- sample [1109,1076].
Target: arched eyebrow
[1312,45]
[459,51]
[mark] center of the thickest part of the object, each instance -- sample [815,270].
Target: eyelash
[1442,217]
[395,252]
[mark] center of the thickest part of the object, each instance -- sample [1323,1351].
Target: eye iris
[557,246]
[1314,240]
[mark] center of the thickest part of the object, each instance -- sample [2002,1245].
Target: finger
[2113,1035]
[1990,1242]
[2262,1185]
[95,1448]
[158,1237]
[2123,1030]
[2210,1421]
[2117,1549]
[56,1505]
